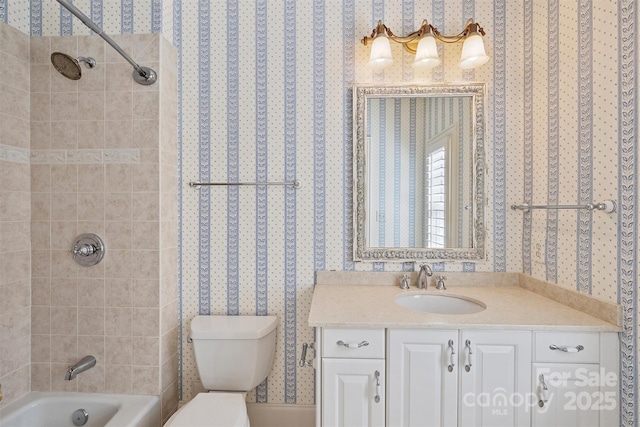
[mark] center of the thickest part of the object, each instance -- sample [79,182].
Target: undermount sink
[440,303]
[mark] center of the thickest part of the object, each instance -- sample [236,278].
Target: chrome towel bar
[608,206]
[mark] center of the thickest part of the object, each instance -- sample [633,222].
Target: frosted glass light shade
[427,53]
[473,53]
[380,53]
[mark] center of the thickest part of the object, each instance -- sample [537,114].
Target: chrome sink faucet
[423,276]
[84,364]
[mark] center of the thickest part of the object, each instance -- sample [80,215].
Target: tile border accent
[97,156]
[14,154]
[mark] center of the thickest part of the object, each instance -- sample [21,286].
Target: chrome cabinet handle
[378,387]
[575,349]
[452,361]
[353,345]
[543,391]
[467,367]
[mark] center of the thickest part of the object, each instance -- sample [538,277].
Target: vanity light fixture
[422,43]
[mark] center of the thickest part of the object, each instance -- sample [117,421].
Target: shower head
[69,66]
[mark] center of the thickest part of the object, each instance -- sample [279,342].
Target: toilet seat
[212,410]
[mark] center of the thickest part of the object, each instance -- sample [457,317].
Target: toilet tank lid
[232,327]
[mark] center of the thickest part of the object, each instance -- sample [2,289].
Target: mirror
[419,172]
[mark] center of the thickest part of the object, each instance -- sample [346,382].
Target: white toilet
[233,355]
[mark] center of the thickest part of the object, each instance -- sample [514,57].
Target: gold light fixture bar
[473,53]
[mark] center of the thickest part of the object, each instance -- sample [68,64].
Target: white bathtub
[38,409]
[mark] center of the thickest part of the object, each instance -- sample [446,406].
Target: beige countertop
[507,307]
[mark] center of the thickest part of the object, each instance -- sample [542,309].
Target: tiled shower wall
[103,154]
[14,213]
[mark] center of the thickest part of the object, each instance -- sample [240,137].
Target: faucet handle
[440,283]
[404,282]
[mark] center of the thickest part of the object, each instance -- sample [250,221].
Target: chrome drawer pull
[575,349]
[543,391]
[353,345]
[452,363]
[468,366]
[378,387]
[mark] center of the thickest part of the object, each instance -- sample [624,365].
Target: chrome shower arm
[147,75]
[93,27]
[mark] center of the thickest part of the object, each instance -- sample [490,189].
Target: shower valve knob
[88,249]
[84,250]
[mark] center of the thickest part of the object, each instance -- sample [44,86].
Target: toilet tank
[233,353]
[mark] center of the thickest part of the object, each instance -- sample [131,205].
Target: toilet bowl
[233,355]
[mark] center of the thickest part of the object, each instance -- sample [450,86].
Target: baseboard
[280,415]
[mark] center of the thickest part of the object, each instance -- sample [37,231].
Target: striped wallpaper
[264,94]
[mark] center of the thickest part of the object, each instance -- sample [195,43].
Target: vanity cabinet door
[571,399]
[423,378]
[580,371]
[495,378]
[353,392]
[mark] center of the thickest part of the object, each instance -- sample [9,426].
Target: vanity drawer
[590,342]
[353,343]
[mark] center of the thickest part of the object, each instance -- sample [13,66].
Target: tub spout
[85,363]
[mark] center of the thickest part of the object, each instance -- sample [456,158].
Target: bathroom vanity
[525,359]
